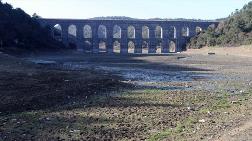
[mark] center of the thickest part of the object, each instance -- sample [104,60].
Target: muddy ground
[74,96]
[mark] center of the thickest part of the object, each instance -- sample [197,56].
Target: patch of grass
[186,125]
[204,110]
[221,102]
[198,99]
[151,91]
[179,128]
[161,135]
[189,122]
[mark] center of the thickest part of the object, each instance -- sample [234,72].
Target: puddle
[144,77]
[43,62]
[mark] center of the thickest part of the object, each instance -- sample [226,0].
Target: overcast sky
[81,9]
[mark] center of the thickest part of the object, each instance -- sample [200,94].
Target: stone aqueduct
[90,35]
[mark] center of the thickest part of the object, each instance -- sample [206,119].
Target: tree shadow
[62,90]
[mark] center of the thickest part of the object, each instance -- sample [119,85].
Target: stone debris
[202,121]
[211,53]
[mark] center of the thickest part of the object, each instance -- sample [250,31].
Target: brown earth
[242,130]
[242,51]
[26,86]
[188,96]
[240,133]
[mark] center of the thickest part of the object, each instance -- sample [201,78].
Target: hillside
[129,18]
[232,31]
[19,32]
[113,18]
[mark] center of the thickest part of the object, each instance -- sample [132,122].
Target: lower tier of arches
[128,47]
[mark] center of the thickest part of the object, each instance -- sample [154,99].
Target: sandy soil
[243,51]
[241,133]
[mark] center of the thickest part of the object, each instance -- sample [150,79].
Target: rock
[250,83]
[74,131]
[179,58]
[198,128]
[211,53]
[202,121]
[234,102]
[225,112]
[187,86]
[209,113]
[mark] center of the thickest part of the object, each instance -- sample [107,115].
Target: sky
[82,9]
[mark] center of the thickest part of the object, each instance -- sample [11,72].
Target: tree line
[21,32]
[234,30]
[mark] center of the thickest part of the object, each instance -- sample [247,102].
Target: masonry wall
[79,40]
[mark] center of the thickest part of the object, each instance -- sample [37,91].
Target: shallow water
[145,77]
[137,74]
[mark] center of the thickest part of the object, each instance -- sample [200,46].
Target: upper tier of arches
[147,32]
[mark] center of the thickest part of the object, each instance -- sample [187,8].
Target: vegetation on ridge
[19,31]
[233,31]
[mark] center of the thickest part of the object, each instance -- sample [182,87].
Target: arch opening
[172,47]
[145,32]
[131,47]
[172,32]
[102,47]
[102,32]
[57,32]
[72,34]
[159,32]
[116,47]
[185,31]
[159,46]
[117,32]
[145,47]
[198,30]
[131,32]
[88,46]
[87,32]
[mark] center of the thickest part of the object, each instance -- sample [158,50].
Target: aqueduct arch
[125,36]
[57,32]
[198,29]
[87,32]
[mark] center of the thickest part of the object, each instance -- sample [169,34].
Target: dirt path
[241,130]
[240,133]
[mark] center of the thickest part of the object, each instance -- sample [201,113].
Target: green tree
[232,31]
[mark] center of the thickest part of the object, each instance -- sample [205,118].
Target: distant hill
[129,18]
[234,30]
[20,32]
[113,18]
